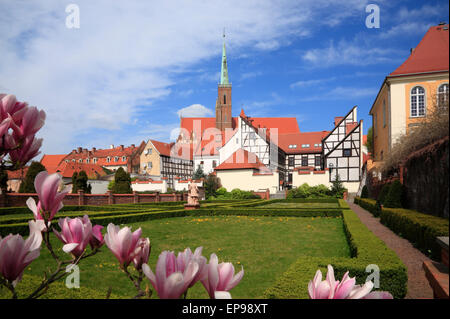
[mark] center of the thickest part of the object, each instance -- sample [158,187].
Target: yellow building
[411,92]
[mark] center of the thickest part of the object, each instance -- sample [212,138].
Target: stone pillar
[185,197]
[80,197]
[174,196]
[135,197]
[267,194]
[110,197]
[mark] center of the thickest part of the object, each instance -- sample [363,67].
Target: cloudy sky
[134,67]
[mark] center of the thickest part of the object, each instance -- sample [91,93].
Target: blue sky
[133,67]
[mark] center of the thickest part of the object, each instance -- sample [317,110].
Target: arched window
[224,99]
[417,101]
[443,96]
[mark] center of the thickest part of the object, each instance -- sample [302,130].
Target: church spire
[224,71]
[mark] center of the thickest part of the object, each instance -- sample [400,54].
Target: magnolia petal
[69,247]
[222,295]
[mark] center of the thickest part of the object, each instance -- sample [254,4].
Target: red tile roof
[242,159]
[67,169]
[51,162]
[18,174]
[430,55]
[299,139]
[177,150]
[102,155]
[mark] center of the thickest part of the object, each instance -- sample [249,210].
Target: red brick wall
[19,199]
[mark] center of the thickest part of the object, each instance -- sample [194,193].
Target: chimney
[337,119]
[94,149]
[132,146]
[111,146]
[80,149]
[411,51]
[121,147]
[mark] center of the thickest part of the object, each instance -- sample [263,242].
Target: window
[214,164]
[347,152]
[443,96]
[87,160]
[318,161]
[305,145]
[108,159]
[95,160]
[417,101]
[80,160]
[116,158]
[124,158]
[224,99]
[150,164]
[290,178]
[291,160]
[384,113]
[304,160]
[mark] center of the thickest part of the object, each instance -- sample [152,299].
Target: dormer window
[108,159]
[80,160]
[87,160]
[95,160]
[305,145]
[116,158]
[124,158]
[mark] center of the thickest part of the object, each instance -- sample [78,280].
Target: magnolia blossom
[141,253]
[16,254]
[122,243]
[97,239]
[346,289]
[222,295]
[75,234]
[172,277]
[186,256]
[220,277]
[24,122]
[50,200]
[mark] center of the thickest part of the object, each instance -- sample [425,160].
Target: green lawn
[264,246]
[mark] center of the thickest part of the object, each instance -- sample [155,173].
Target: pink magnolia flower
[75,234]
[122,243]
[16,254]
[28,149]
[346,289]
[141,253]
[222,295]
[220,277]
[186,256]
[169,281]
[30,122]
[50,200]
[97,239]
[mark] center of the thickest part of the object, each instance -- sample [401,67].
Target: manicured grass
[301,205]
[264,246]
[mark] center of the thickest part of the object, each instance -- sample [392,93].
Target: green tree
[27,185]
[395,196]
[74,183]
[383,193]
[369,142]
[364,192]
[199,173]
[211,185]
[80,182]
[122,182]
[337,188]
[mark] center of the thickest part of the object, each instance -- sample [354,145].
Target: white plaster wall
[207,163]
[141,187]
[184,186]
[398,111]
[233,144]
[245,180]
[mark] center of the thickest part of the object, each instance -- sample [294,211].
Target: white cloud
[195,110]
[127,54]
[348,53]
[307,83]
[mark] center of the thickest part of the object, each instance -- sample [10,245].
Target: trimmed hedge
[368,204]
[420,229]
[57,290]
[366,249]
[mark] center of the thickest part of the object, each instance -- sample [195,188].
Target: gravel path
[418,286]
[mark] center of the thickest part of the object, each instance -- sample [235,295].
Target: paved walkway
[418,286]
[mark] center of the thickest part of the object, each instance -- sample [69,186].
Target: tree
[364,192]
[74,183]
[369,142]
[80,182]
[199,173]
[211,185]
[337,188]
[122,182]
[395,196]
[3,181]
[27,185]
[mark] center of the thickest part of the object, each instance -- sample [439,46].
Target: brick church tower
[223,103]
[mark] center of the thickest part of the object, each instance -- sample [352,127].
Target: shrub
[27,186]
[337,188]
[122,182]
[211,185]
[364,192]
[383,193]
[222,191]
[394,198]
[306,191]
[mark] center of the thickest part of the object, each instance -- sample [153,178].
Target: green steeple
[224,71]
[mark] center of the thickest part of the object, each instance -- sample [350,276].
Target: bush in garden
[80,182]
[364,192]
[383,193]
[27,186]
[395,196]
[240,194]
[337,188]
[211,185]
[122,182]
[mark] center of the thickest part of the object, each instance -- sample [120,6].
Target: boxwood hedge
[420,229]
